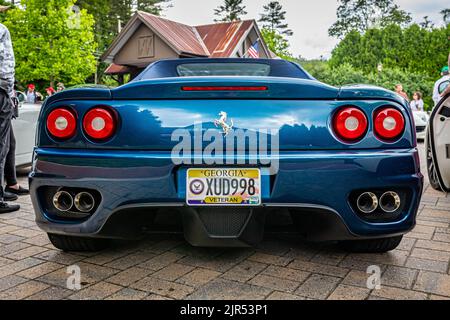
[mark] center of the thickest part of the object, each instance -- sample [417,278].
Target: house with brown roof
[147,38]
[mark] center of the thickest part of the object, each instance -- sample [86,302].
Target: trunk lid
[291,114]
[277,88]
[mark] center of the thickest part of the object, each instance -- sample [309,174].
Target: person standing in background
[12,190]
[447,90]
[60,87]
[441,85]
[7,73]
[400,92]
[417,102]
[31,94]
[50,91]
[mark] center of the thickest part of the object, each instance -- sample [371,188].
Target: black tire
[432,173]
[77,244]
[372,245]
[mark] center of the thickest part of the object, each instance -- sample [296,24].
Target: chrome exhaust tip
[63,201]
[367,202]
[84,202]
[390,202]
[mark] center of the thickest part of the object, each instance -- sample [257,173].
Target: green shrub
[345,74]
[415,48]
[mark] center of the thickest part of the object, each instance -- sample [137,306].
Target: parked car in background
[25,131]
[438,146]
[421,119]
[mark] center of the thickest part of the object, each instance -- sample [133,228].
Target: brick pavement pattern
[280,268]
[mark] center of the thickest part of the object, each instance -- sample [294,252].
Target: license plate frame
[200,198]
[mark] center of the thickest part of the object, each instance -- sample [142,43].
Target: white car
[25,131]
[438,146]
[421,119]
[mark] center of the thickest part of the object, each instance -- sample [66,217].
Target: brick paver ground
[168,268]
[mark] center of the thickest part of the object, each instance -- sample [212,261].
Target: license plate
[223,187]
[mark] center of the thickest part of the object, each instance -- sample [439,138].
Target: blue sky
[309,19]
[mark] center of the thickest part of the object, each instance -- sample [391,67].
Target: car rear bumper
[316,185]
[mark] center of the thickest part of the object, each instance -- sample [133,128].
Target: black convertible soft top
[223,67]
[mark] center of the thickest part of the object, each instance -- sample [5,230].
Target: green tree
[105,28]
[427,23]
[446,15]
[107,14]
[346,74]
[53,41]
[151,6]
[361,15]
[6,3]
[11,3]
[347,49]
[318,68]
[276,43]
[412,56]
[413,49]
[274,18]
[231,10]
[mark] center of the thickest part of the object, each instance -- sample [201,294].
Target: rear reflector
[61,123]
[350,124]
[389,123]
[99,123]
[227,88]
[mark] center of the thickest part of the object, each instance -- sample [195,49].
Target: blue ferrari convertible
[223,150]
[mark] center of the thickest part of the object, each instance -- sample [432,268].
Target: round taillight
[99,123]
[389,123]
[61,123]
[350,124]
